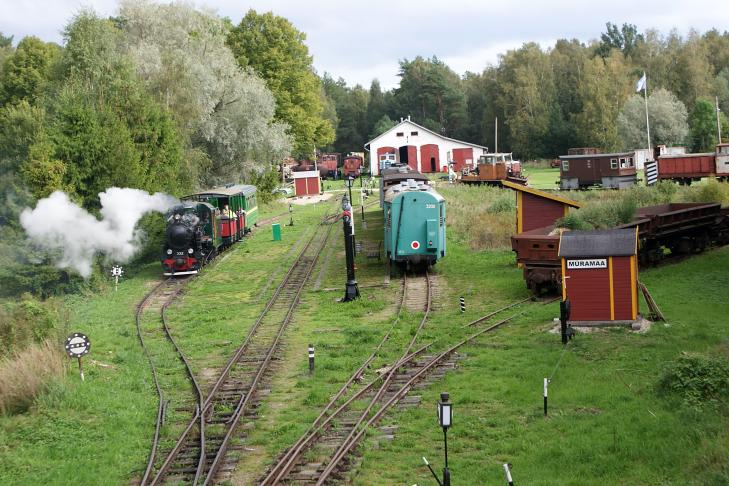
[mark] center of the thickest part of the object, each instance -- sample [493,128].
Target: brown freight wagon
[685,168]
[613,171]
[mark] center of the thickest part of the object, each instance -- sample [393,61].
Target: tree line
[573,94]
[161,97]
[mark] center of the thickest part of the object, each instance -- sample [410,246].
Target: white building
[644,155]
[422,149]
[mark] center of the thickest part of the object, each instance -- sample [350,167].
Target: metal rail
[398,395]
[288,460]
[207,406]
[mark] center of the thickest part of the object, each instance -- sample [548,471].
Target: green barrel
[276,228]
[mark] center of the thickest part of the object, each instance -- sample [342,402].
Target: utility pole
[718,121]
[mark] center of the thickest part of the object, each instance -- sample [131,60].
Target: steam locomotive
[204,224]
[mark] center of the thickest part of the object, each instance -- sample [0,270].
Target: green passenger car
[415,224]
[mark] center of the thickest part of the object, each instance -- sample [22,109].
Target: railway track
[320,456]
[166,360]
[201,453]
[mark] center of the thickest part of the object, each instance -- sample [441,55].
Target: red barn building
[537,209]
[600,274]
[307,183]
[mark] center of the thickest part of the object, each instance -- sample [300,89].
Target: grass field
[608,423]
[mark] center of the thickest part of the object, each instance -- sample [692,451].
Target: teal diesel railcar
[415,224]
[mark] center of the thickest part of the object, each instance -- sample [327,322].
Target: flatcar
[612,171]
[395,174]
[679,228]
[494,168]
[206,223]
[686,168]
[352,166]
[415,224]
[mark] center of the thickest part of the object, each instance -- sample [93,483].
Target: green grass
[607,423]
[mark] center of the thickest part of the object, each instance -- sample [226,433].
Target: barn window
[400,134]
[566,165]
[622,163]
[630,162]
[613,163]
[414,134]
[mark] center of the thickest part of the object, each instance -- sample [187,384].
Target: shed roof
[598,243]
[230,190]
[544,194]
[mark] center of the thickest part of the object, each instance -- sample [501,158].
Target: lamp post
[351,291]
[445,417]
[349,181]
[291,214]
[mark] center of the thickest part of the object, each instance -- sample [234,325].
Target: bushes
[28,373]
[27,322]
[697,380]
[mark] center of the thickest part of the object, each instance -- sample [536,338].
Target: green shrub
[26,322]
[503,204]
[709,191]
[697,380]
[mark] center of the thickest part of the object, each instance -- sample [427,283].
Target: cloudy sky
[362,40]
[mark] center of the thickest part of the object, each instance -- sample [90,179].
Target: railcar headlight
[169,251]
[190,251]
[177,216]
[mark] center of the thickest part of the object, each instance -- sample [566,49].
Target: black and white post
[311,359]
[291,214]
[445,418]
[546,384]
[507,471]
[351,291]
[116,272]
[463,304]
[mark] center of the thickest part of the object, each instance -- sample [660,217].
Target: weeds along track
[201,453]
[324,452]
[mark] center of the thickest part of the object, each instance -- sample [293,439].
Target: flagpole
[647,124]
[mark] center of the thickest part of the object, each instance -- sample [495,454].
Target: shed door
[300,185]
[429,160]
[589,293]
[312,185]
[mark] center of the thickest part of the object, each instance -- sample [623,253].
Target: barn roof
[421,127]
[544,194]
[598,243]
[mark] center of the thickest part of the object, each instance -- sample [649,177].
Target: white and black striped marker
[546,384]
[311,358]
[463,304]
[507,470]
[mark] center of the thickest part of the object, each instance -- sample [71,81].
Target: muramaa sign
[587,263]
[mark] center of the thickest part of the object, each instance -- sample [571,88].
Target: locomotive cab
[189,238]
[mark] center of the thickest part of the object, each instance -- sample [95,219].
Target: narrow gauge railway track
[164,362]
[335,424]
[201,452]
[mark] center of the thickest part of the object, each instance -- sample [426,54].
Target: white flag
[640,85]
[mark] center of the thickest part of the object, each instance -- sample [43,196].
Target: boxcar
[328,165]
[685,168]
[415,228]
[613,171]
[352,166]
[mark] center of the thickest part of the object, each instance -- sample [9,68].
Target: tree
[625,39]
[605,87]
[526,95]
[275,49]
[382,125]
[667,116]
[703,126]
[26,72]
[351,110]
[225,111]
[432,93]
[376,107]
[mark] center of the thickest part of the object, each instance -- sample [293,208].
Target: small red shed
[537,209]
[600,274]
[307,183]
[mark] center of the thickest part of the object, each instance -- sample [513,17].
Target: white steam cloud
[62,227]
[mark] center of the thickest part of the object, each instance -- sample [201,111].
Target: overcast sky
[362,40]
